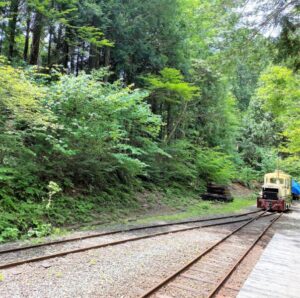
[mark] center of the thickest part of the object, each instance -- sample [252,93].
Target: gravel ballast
[78,244]
[124,270]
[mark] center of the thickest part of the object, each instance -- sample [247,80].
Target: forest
[102,99]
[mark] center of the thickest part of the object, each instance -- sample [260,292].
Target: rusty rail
[15,249]
[232,269]
[196,259]
[61,254]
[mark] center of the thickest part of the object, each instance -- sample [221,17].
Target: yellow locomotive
[276,194]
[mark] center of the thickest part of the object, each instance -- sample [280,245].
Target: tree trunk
[93,57]
[49,45]
[169,121]
[26,45]
[162,129]
[2,28]
[179,119]
[36,38]
[66,54]
[155,105]
[59,45]
[77,61]
[107,61]
[66,48]
[51,30]
[12,25]
[82,57]
[107,57]
[101,57]
[72,60]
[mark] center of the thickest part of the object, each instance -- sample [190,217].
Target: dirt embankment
[238,190]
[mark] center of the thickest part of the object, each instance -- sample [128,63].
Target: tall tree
[27,32]
[37,31]
[288,44]
[12,26]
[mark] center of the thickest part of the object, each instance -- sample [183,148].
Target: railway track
[207,273]
[237,218]
[96,235]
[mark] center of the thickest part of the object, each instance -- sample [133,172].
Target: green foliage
[172,86]
[214,116]
[23,121]
[9,234]
[288,43]
[215,166]
[271,123]
[40,145]
[116,123]
[143,42]
[32,219]
[280,91]
[291,165]
[247,175]
[252,54]
[259,134]
[53,189]
[204,105]
[169,98]
[18,97]
[41,230]
[192,166]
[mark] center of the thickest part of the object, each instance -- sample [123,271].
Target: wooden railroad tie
[217,192]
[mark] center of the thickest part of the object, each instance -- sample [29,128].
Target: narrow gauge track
[194,278]
[108,233]
[117,242]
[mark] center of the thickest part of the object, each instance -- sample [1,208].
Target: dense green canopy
[101,98]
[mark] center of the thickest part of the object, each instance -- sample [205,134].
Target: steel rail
[233,268]
[61,254]
[122,231]
[196,259]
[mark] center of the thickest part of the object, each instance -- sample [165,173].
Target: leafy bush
[79,131]
[115,122]
[292,166]
[9,234]
[24,121]
[190,166]
[247,175]
[40,231]
[215,166]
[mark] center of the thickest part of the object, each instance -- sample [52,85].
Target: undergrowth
[28,219]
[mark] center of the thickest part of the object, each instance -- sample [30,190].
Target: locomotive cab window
[277,181]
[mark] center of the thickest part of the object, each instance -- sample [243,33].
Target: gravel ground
[119,271]
[125,270]
[40,251]
[112,227]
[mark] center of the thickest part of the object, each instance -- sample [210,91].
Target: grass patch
[201,208]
